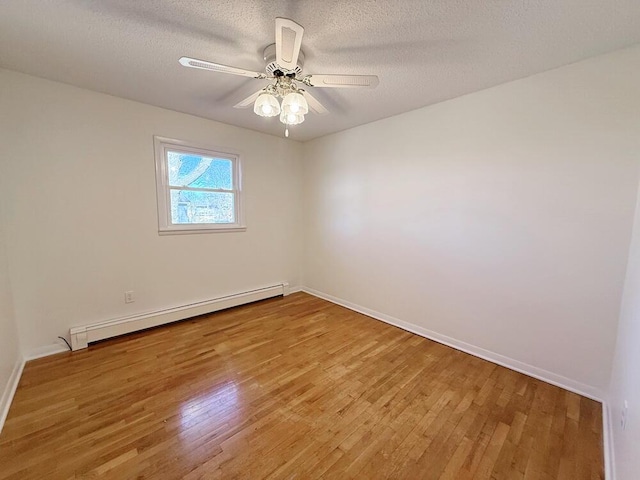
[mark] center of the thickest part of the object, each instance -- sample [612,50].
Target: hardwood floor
[292,387]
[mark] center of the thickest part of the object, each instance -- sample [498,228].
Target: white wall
[78,183]
[501,219]
[625,383]
[9,344]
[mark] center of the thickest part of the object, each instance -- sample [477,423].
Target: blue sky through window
[196,171]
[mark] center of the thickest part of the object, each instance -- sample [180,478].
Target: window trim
[163,189]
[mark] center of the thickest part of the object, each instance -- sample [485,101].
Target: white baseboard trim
[82,335]
[295,289]
[10,390]
[535,372]
[607,437]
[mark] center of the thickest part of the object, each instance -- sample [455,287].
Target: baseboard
[535,372]
[607,437]
[82,335]
[10,390]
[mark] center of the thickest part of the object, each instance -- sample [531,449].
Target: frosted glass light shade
[266,105]
[291,118]
[295,103]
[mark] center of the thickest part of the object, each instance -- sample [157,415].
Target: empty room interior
[298,239]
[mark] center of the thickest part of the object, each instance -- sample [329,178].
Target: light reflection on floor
[207,412]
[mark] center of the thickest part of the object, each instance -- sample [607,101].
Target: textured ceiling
[423,51]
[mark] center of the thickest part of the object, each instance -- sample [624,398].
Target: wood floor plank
[292,387]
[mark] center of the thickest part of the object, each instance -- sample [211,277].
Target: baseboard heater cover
[82,335]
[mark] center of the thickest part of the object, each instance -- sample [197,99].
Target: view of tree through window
[201,189]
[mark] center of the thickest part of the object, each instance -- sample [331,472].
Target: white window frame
[161,146]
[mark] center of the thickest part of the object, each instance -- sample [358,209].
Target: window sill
[188,231]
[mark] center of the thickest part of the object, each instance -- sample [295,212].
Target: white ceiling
[423,51]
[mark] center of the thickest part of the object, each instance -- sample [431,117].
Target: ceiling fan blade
[216,67]
[247,102]
[341,81]
[314,105]
[288,42]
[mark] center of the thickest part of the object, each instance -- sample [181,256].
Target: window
[198,188]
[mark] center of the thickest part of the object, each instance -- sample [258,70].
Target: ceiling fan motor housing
[269,55]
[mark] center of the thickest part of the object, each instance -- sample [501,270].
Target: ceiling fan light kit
[266,105]
[291,118]
[284,62]
[295,103]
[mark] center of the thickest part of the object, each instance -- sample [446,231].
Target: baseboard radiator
[83,335]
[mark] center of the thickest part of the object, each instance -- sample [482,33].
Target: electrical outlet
[624,415]
[129,297]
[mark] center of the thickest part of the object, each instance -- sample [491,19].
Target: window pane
[201,207]
[192,170]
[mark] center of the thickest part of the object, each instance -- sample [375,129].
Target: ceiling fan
[284,61]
